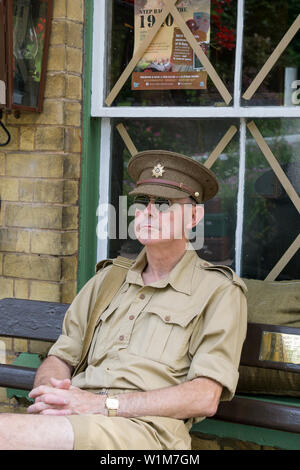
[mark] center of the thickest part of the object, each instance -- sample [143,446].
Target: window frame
[234,110]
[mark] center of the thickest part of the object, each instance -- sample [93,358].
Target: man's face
[159,220]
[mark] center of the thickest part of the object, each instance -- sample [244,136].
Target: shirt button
[131,317]
[168,318]
[142,296]
[121,338]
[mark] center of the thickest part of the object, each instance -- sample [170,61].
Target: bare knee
[35,432]
[6,427]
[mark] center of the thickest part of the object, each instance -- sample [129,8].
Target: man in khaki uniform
[164,351]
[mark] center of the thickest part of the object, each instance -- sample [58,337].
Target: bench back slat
[260,413]
[17,377]
[31,319]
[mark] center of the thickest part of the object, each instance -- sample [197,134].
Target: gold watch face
[112,403]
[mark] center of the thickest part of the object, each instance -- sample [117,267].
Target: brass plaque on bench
[280,347]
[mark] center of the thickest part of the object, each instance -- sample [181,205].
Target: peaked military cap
[171,175]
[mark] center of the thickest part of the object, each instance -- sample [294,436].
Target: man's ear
[197,215]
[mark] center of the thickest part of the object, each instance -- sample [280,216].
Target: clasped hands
[61,398]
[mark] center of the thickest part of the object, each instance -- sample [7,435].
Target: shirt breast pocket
[107,328]
[163,335]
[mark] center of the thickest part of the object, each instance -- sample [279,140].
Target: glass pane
[271,221]
[29,25]
[216,32]
[265,25]
[197,139]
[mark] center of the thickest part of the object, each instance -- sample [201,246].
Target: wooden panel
[31,319]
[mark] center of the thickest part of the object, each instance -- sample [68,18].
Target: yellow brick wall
[39,184]
[40,173]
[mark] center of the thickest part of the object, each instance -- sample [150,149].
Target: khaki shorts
[98,432]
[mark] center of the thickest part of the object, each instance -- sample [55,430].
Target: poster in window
[169,62]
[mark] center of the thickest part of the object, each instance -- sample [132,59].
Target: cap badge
[158,170]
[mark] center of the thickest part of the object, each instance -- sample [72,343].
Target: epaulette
[228,272]
[102,264]
[119,261]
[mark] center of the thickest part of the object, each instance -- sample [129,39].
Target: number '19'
[151,20]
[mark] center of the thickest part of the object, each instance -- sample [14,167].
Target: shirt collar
[180,278]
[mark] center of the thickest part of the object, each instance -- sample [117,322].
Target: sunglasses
[161,204]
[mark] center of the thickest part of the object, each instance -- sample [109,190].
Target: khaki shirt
[190,324]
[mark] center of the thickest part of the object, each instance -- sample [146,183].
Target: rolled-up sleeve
[69,344]
[218,338]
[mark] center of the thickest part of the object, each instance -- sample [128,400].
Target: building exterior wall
[39,182]
[40,176]
[40,173]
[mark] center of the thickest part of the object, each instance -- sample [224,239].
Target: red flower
[225,37]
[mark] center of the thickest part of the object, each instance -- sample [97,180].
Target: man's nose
[151,208]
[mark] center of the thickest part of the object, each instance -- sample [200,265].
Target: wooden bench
[38,320]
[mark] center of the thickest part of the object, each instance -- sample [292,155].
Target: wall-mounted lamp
[24,43]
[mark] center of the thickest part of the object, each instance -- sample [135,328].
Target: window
[258,165]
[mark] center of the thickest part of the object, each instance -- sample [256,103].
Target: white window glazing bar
[238,54]
[104,188]
[200,112]
[240,199]
[242,144]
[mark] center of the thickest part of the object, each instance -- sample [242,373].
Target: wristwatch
[112,406]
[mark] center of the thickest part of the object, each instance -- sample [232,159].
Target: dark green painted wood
[89,188]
